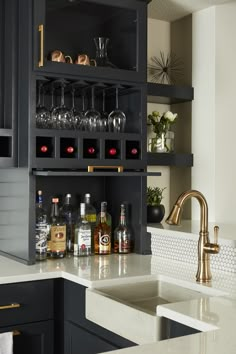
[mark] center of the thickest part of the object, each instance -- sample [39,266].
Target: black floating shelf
[169,159]
[169,94]
[93,174]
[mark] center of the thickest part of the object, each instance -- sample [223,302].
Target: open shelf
[169,94]
[169,159]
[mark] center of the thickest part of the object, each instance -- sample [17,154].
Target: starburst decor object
[166,69]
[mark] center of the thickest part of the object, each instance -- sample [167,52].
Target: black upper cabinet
[71,26]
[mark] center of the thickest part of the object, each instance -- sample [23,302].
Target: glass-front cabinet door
[95,38]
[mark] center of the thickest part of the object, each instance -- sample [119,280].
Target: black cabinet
[38,28]
[27,309]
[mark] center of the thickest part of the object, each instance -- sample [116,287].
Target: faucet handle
[216,233]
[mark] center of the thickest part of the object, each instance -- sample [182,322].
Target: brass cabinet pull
[119,168]
[41,31]
[10,306]
[16,332]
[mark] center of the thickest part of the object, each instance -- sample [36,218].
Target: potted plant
[155,210]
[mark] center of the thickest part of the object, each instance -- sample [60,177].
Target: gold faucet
[204,246]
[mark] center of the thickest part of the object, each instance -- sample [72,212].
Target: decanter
[102,59]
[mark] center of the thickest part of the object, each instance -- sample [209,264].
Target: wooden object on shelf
[169,94]
[170,159]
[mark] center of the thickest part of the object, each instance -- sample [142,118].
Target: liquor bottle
[67,212]
[122,234]
[90,214]
[82,244]
[102,233]
[108,216]
[41,229]
[57,247]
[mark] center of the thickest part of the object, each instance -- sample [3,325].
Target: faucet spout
[204,246]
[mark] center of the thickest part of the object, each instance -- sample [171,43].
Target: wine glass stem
[83,102]
[39,97]
[52,98]
[92,98]
[73,98]
[117,99]
[62,95]
[103,101]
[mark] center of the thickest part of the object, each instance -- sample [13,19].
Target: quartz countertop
[215,316]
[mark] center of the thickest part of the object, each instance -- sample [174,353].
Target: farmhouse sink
[129,309]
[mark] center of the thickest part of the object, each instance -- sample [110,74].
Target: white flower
[170,116]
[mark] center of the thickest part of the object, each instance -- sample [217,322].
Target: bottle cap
[82,208]
[68,195]
[87,195]
[40,192]
[55,200]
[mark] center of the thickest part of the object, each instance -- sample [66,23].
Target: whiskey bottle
[82,244]
[122,234]
[41,229]
[102,233]
[57,247]
[67,212]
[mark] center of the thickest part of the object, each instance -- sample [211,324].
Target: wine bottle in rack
[44,147]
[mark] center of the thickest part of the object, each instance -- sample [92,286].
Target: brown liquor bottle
[57,248]
[102,233]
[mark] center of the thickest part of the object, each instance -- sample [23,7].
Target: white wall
[159,40]
[214,121]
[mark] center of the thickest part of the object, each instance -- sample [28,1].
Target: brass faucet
[204,246]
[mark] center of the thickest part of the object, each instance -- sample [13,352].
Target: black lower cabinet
[32,338]
[80,341]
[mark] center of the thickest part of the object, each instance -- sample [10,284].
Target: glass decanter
[102,59]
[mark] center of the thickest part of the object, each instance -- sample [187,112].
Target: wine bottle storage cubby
[117,22]
[5,146]
[71,151]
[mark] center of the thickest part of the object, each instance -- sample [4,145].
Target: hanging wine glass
[83,119]
[62,114]
[52,122]
[117,118]
[75,115]
[42,113]
[102,124]
[92,115]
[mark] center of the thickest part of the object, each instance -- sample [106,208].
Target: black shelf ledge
[169,159]
[68,173]
[169,94]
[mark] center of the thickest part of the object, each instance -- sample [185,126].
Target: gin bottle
[57,247]
[82,244]
[41,229]
[122,234]
[102,233]
[90,215]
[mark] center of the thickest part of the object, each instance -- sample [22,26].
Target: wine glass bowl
[117,118]
[92,116]
[42,116]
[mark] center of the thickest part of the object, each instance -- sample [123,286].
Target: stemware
[117,118]
[75,115]
[42,113]
[83,119]
[102,124]
[61,115]
[92,115]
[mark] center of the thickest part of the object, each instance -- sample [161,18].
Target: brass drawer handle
[119,168]
[41,31]
[10,306]
[16,332]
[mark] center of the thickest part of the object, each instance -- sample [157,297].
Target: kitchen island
[215,317]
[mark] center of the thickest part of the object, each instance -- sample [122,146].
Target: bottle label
[41,235]
[84,242]
[104,243]
[58,238]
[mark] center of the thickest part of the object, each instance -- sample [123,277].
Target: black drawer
[32,338]
[35,301]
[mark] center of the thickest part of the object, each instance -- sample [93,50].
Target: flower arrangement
[161,123]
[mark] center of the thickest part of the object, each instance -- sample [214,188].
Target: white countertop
[216,314]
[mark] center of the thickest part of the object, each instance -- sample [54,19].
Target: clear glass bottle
[67,212]
[101,58]
[108,216]
[90,215]
[102,233]
[82,244]
[122,234]
[57,246]
[41,229]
